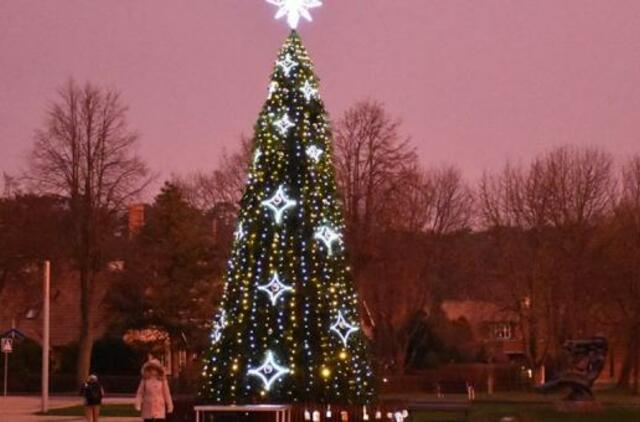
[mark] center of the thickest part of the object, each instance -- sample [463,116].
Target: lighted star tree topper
[288,327]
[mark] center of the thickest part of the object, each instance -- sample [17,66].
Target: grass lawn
[529,412]
[521,406]
[124,410]
[619,406]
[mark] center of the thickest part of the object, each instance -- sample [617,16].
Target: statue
[587,359]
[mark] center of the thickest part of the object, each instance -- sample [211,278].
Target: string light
[299,329]
[239,233]
[256,156]
[273,87]
[218,325]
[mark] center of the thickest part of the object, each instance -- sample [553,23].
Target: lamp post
[46,279]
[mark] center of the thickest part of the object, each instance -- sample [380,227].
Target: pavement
[24,409]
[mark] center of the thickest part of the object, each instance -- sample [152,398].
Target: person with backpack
[153,399]
[93,393]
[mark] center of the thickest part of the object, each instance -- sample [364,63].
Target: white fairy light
[218,326]
[287,64]
[283,124]
[239,233]
[294,10]
[314,152]
[275,288]
[343,328]
[328,236]
[279,203]
[273,87]
[269,371]
[308,91]
[216,335]
[257,156]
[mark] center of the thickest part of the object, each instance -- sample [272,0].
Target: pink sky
[474,82]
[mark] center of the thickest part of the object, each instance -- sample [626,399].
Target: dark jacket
[92,392]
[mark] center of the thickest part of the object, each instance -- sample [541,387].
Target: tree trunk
[635,353]
[85,342]
[625,372]
[629,362]
[539,375]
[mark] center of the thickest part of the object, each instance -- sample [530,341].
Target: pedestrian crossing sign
[6,344]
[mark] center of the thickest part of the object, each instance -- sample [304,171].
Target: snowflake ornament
[314,153]
[279,203]
[287,64]
[239,233]
[294,10]
[218,325]
[328,236]
[269,371]
[343,328]
[256,156]
[273,87]
[283,124]
[308,91]
[275,288]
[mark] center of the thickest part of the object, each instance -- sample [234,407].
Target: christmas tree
[287,329]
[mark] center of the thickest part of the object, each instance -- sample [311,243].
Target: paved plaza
[24,409]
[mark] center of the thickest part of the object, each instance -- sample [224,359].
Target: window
[502,330]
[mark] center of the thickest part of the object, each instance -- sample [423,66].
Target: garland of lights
[296,263]
[239,233]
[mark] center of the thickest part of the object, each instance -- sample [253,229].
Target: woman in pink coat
[153,399]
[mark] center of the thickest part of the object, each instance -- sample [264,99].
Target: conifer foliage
[288,328]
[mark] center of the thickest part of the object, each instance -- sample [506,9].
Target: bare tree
[371,160]
[395,309]
[513,206]
[224,185]
[618,296]
[11,185]
[581,183]
[543,220]
[447,202]
[85,152]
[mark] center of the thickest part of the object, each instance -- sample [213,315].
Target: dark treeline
[555,241]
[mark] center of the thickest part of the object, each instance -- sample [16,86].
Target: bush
[113,356]
[25,360]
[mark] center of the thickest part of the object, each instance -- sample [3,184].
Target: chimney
[136,218]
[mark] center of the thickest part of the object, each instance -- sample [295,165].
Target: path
[23,409]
